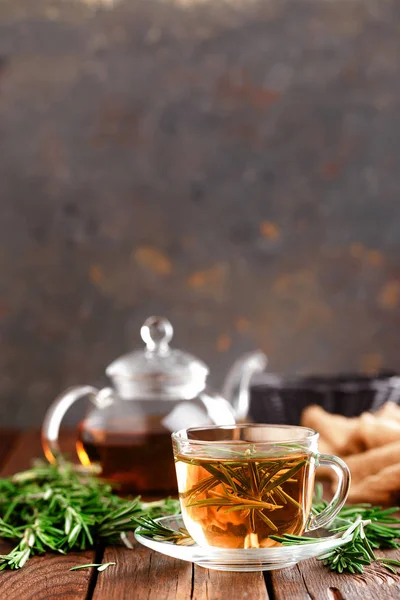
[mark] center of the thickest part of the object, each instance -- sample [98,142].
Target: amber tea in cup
[238,485]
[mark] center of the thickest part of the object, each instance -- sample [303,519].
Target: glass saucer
[240,559]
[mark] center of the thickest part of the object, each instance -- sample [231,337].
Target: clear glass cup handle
[340,496]
[56,413]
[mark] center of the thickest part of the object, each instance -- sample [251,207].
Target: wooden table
[141,574]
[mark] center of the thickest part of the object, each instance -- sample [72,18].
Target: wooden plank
[154,576]
[143,575]
[288,584]
[46,577]
[7,439]
[311,580]
[221,585]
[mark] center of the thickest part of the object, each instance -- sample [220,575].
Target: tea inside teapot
[136,460]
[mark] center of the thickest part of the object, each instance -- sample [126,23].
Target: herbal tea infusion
[240,503]
[137,462]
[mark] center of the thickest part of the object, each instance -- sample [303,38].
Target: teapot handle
[56,413]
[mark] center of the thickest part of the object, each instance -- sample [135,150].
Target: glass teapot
[126,433]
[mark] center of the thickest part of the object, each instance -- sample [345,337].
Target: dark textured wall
[232,165]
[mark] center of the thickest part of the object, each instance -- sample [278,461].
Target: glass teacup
[240,484]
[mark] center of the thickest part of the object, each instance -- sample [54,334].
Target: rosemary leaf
[253,486]
[368,528]
[280,480]
[105,566]
[267,521]
[155,530]
[100,566]
[60,507]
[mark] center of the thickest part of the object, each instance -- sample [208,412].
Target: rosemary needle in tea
[240,503]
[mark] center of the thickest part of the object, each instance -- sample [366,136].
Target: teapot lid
[158,369]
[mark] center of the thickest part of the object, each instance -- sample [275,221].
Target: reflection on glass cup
[240,484]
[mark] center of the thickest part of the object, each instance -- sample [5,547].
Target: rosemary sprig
[58,508]
[371,528]
[161,533]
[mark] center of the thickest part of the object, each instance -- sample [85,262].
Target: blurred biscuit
[375,431]
[381,488]
[336,431]
[372,461]
[390,411]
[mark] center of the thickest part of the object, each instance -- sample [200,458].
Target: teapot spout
[236,388]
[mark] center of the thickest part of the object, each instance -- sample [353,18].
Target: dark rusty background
[234,165]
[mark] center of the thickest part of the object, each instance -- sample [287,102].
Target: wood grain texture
[153,576]
[48,578]
[311,580]
[289,585]
[143,575]
[43,577]
[219,585]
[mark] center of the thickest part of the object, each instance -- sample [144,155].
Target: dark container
[276,399]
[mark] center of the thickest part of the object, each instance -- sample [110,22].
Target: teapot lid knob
[157,332]
[159,371]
